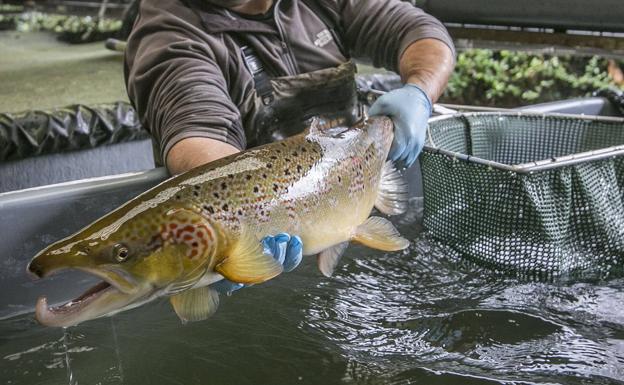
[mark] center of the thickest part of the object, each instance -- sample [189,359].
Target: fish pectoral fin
[195,304]
[328,258]
[379,233]
[392,195]
[247,263]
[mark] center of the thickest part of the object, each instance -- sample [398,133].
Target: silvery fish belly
[201,226]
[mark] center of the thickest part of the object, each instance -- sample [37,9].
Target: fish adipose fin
[195,304]
[392,195]
[328,258]
[247,263]
[379,233]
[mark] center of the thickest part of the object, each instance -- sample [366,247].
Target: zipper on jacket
[290,60]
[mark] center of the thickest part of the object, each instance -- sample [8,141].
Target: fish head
[137,260]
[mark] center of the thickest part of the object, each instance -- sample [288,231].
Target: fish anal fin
[247,263]
[328,258]
[392,194]
[379,233]
[195,304]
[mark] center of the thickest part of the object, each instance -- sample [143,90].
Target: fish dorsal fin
[328,258]
[379,233]
[317,124]
[195,304]
[247,263]
[392,195]
[328,126]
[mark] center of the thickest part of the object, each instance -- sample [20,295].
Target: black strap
[262,81]
[334,28]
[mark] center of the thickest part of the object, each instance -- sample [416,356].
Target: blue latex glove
[285,249]
[409,108]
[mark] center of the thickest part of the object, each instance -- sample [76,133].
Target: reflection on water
[417,317]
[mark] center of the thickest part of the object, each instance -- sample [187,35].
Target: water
[417,317]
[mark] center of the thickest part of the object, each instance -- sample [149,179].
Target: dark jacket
[185,73]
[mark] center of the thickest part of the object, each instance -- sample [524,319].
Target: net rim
[535,166]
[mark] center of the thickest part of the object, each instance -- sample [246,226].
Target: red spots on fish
[196,236]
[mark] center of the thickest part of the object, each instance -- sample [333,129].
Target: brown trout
[206,224]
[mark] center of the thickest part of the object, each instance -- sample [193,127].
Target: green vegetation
[73,29]
[509,79]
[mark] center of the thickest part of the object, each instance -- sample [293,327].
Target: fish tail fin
[247,263]
[379,233]
[392,195]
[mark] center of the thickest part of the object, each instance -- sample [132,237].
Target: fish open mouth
[104,298]
[44,312]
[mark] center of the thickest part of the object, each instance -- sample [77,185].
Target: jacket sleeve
[382,30]
[174,80]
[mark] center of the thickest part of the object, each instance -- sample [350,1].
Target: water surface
[414,317]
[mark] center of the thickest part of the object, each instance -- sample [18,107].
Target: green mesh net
[527,193]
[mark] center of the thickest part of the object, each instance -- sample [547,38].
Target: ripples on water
[417,317]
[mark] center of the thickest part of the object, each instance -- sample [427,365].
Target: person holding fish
[210,78]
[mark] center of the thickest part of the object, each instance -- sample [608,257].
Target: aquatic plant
[508,79]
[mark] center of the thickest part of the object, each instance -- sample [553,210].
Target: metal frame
[540,165]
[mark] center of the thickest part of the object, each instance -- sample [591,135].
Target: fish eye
[120,252]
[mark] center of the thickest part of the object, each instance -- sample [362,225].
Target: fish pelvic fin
[195,304]
[379,233]
[247,263]
[392,194]
[328,258]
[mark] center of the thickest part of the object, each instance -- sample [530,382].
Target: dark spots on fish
[287,159]
[196,193]
[283,144]
[277,150]
[240,212]
[273,157]
[223,185]
[264,176]
[275,187]
[178,197]
[197,187]
[286,171]
[339,179]
[248,176]
[215,194]
[225,207]
[231,176]
[299,168]
[269,165]
[295,154]
[210,209]
[314,150]
[303,149]
[194,244]
[256,189]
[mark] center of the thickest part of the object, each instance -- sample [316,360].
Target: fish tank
[423,315]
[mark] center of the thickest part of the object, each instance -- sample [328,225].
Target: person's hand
[286,249]
[409,108]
